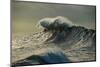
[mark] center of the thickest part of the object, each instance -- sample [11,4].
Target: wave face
[75,35]
[74,44]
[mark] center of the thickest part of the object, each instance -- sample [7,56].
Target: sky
[32,12]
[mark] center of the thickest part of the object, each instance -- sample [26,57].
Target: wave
[73,44]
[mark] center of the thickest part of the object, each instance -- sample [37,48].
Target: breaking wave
[57,43]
